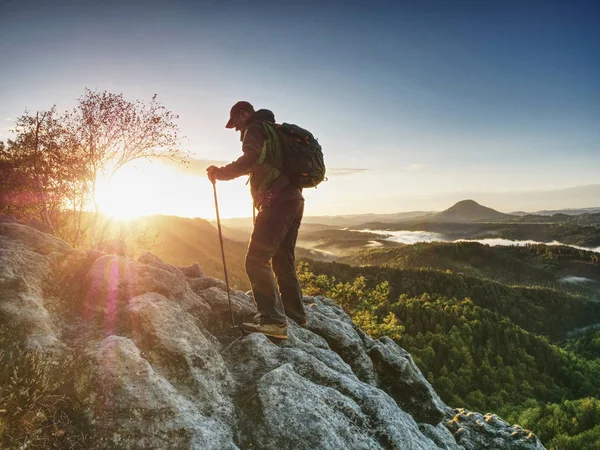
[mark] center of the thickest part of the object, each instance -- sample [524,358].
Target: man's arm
[252,148]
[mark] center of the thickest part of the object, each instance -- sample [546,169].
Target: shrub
[35,409]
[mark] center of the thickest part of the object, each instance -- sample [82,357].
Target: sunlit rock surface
[158,365]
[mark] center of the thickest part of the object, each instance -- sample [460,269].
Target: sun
[144,188]
[117,198]
[123,196]
[133,191]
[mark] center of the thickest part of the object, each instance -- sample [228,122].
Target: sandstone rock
[113,280]
[159,366]
[305,415]
[474,431]
[251,358]
[203,283]
[441,436]
[33,239]
[136,408]
[242,307]
[192,271]
[34,223]
[379,362]
[174,340]
[400,377]
[4,218]
[327,320]
[23,316]
[152,260]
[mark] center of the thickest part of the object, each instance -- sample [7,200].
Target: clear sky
[417,104]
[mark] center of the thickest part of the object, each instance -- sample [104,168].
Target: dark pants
[274,237]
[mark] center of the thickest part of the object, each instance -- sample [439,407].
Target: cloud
[415,167]
[8,118]
[348,171]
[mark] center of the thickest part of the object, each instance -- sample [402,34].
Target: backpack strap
[271,146]
[274,144]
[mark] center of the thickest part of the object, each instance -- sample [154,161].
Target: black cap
[237,108]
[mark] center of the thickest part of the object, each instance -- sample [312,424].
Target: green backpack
[303,160]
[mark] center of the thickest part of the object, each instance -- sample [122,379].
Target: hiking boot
[301,323]
[268,329]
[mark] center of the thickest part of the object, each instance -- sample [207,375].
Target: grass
[36,409]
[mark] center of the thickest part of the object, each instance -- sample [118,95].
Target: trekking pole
[223,253]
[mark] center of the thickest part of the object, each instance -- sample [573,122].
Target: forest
[496,332]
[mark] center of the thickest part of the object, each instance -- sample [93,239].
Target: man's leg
[285,271]
[271,227]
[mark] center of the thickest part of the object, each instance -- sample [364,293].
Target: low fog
[412,237]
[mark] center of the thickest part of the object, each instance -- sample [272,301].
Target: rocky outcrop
[474,431]
[158,365]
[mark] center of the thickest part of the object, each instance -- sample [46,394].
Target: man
[280,207]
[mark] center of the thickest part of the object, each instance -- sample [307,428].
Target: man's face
[239,120]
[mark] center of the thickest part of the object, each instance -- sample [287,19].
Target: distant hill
[569,211]
[468,211]
[359,219]
[316,223]
[464,211]
[552,212]
[182,241]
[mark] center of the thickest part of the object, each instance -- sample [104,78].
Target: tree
[50,170]
[112,131]
[16,188]
[42,170]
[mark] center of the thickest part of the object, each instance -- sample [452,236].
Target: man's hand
[211,173]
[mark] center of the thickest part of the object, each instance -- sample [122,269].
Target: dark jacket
[262,162]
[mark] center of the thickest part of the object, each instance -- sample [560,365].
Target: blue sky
[427,102]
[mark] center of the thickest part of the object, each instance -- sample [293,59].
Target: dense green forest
[587,345]
[496,332]
[530,265]
[569,425]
